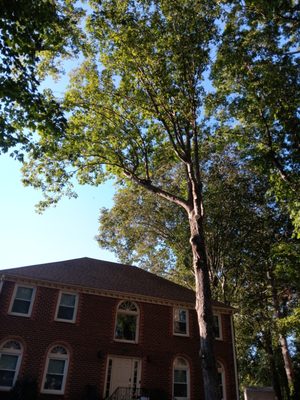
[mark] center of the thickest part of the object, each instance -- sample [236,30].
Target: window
[181,377]
[221,381]
[127,322]
[10,360]
[180,322]
[22,301]
[56,370]
[217,326]
[67,307]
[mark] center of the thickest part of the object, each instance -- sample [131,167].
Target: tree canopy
[32,35]
[256,76]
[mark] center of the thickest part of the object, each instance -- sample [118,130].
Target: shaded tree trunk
[288,365]
[275,378]
[204,307]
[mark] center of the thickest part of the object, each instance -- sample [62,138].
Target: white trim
[117,357]
[74,309]
[12,352]
[64,357]
[188,382]
[112,293]
[13,298]
[221,370]
[187,316]
[219,316]
[135,313]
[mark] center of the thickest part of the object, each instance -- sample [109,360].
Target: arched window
[127,322]
[56,370]
[221,381]
[10,360]
[181,379]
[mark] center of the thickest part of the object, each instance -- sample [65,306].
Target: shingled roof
[104,275]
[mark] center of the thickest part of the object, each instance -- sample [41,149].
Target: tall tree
[136,111]
[253,261]
[32,34]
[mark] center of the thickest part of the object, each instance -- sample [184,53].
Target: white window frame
[188,383]
[221,370]
[187,333]
[66,358]
[58,306]
[219,317]
[127,312]
[13,298]
[12,352]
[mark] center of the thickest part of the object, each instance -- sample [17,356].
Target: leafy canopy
[32,35]
[257,79]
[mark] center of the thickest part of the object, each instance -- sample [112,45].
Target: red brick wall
[90,341]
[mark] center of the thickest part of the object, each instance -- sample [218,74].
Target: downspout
[234,358]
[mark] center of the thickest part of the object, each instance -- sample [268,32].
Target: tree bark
[272,364]
[204,308]
[288,366]
[194,208]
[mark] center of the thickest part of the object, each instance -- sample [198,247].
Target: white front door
[122,372]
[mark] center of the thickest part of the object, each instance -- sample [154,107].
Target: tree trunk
[288,366]
[273,368]
[204,308]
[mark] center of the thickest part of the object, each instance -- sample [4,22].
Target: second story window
[127,322]
[217,326]
[66,307]
[180,322]
[22,301]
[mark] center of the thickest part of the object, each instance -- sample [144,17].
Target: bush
[24,389]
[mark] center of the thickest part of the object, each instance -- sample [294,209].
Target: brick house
[84,327]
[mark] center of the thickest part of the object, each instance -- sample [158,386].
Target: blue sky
[60,233]
[63,232]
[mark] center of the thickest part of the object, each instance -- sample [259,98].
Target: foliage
[256,78]
[29,47]
[147,231]
[133,112]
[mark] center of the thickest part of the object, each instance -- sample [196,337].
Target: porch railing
[127,393]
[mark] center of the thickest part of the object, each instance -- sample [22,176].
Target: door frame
[107,372]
